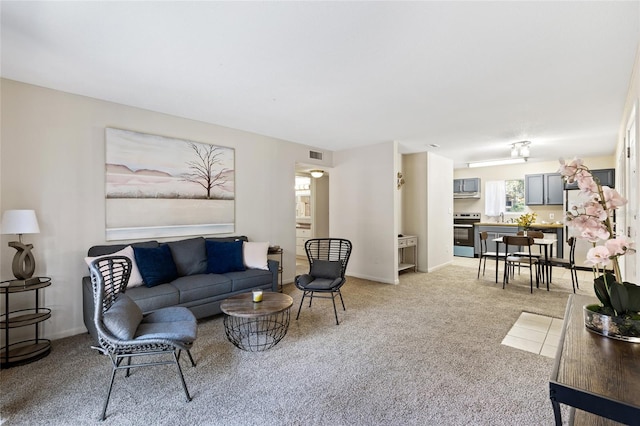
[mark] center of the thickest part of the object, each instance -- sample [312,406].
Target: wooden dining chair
[532,234]
[484,254]
[526,261]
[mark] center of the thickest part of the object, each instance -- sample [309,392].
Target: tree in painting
[203,170]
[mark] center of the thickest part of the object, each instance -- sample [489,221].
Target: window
[514,195]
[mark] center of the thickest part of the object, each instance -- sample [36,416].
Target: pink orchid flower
[569,170]
[619,245]
[598,255]
[586,183]
[612,198]
[595,210]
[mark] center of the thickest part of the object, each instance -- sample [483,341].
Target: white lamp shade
[20,222]
[317,173]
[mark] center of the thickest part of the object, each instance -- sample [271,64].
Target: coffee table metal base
[259,333]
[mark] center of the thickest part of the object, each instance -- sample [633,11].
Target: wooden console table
[594,374]
[408,242]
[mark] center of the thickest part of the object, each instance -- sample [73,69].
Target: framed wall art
[158,186]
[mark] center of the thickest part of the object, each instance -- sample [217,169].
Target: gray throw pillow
[329,269]
[190,256]
[123,317]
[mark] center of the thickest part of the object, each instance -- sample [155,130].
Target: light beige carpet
[425,352]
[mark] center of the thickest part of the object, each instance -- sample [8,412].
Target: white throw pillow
[255,255]
[135,279]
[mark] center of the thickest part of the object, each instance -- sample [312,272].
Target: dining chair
[567,263]
[532,234]
[527,260]
[484,254]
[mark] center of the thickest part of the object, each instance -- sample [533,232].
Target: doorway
[312,211]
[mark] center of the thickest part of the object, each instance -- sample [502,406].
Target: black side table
[30,350]
[277,251]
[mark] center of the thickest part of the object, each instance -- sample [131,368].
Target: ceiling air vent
[315,155]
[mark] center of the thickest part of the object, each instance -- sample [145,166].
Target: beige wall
[52,151]
[53,161]
[362,208]
[427,204]
[517,171]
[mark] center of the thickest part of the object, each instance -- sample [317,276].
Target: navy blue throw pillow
[155,264]
[224,257]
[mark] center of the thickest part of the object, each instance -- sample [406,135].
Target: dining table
[545,243]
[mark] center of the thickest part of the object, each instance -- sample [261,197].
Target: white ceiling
[472,77]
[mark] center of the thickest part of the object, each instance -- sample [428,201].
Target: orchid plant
[592,221]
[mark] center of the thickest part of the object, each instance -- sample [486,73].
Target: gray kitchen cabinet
[543,189]
[534,190]
[553,189]
[605,176]
[466,185]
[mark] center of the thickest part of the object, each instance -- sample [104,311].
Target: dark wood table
[594,374]
[256,326]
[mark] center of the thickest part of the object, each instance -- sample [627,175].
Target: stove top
[474,216]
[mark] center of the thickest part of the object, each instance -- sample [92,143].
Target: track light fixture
[520,149]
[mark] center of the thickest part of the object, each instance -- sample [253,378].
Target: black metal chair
[567,263]
[484,254]
[328,259]
[527,260]
[124,332]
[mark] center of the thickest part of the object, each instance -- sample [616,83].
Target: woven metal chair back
[109,277]
[332,249]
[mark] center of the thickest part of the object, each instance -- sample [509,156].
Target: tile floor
[535,333]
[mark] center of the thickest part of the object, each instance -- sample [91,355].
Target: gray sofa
[202,293]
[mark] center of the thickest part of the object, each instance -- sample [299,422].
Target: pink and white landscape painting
[159,187]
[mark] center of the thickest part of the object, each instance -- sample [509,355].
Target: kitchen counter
[535,225]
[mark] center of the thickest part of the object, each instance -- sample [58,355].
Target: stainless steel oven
[463,235]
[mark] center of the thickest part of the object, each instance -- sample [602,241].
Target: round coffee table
[256,326]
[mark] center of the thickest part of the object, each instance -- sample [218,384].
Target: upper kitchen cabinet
[466,188]
[605,176]
[543,189]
